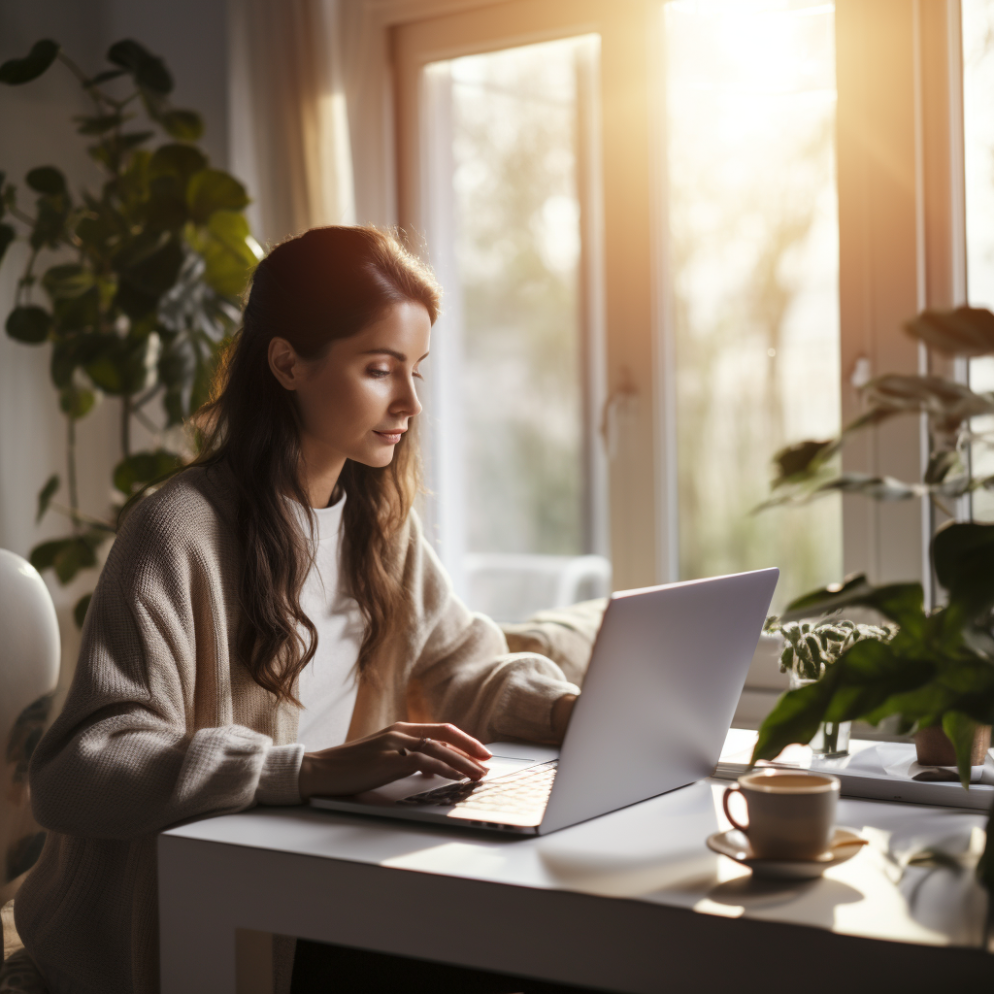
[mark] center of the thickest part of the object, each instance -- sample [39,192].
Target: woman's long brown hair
[326,284]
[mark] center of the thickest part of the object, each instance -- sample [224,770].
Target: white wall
[35,129]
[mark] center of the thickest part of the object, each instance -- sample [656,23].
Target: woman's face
[357,400]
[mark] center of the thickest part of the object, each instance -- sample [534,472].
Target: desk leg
[196,935]
[253,961]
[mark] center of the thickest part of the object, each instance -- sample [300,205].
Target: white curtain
[289,136]
[368,86]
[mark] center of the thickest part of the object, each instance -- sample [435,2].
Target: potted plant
[937,670]
[144,275]
[809,651]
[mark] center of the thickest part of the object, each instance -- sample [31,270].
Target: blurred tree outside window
[752,282]
[751,94]
[978,134]
[504,134]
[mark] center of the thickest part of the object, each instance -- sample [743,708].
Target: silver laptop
[665,676]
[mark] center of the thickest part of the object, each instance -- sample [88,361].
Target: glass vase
[832,738]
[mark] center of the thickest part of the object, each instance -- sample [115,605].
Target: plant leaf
[30,325]
[877,487]
[67,281]
[946,402]
[148,267]
[7,235]
[67,556]
[900,602]
[965,331]
[50,221]
[941,464]
[794,718]
[963,556]
[229,251]
[42,556]
[802,460]
[213,190]
[45,495]
[79,611]
[144,467]
[960,731]
[72,351]
[867,675]
[870,673]
[48,180]
[77,314]
[14,72]
[76,555]
[76,402]
[149,70]
[180,161]
[122,365]
[185,125]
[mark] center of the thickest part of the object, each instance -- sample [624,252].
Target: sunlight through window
[978,128]
[754,254]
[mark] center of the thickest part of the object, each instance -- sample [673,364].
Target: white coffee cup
[790,814]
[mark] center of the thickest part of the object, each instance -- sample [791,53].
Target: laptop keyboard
[522,793]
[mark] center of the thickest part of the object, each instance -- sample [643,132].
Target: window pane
[978,120]
[754,253]
[505,133]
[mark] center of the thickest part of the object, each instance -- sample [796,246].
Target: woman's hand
[398,751]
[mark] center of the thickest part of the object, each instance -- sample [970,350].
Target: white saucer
[735,845]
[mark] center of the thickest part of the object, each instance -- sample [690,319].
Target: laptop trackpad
[508,757]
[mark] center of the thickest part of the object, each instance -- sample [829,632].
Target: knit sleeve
[123,759]
[464,673]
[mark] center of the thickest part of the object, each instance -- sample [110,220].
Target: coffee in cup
[790,814]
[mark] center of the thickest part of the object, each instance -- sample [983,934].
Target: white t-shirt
[328,684]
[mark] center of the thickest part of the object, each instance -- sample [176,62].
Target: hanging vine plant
[143,286]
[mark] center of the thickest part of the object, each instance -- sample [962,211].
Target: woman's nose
[408,403]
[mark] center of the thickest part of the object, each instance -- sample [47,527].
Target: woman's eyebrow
[399,356]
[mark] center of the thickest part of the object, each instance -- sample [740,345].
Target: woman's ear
[285,363]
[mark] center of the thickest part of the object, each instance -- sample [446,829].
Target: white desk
[629,902]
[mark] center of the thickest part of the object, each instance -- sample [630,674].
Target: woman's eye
[417,375]
[378,373]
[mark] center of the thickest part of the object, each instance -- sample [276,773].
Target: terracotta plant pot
[935,749]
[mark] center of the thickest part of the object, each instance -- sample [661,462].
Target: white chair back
[512,587]
[29,671]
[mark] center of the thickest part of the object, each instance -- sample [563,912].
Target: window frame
[902,246]
[901,226]
[630,401]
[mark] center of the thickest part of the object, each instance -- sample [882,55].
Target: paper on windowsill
[872,769]
[897,759]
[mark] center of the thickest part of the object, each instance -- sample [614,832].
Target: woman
[270,624]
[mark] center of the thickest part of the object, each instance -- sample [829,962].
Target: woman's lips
[390,437]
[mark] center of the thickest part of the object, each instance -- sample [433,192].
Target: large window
[753,214]
[978,121]
[675,236]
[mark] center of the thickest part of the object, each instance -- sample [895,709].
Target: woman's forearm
[128,775]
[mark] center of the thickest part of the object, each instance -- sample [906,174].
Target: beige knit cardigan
[164,723]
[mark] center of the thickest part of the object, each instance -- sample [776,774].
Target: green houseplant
[938,668]
[809,652]
[143,277]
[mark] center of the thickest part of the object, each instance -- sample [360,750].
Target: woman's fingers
[452,757]
[423,763]
[453,736]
